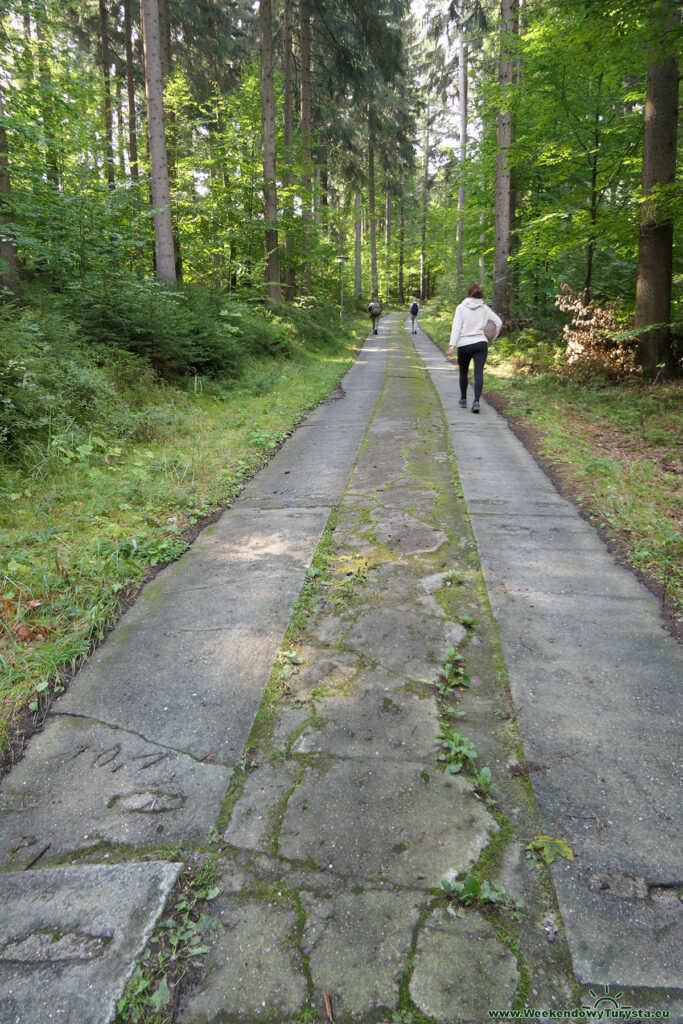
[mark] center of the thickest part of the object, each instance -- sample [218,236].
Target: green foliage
[457,752]
[470,891]
[452,673]
[79,372]
[49,384]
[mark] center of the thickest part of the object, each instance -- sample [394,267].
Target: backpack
[375,309]
[414,309]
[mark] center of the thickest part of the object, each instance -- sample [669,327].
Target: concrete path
[596,684]
[341,823]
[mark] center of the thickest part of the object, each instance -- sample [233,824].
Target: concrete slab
[435,830]
[193,691]
[404,533]
[357,945]
[82,783]
[253,970]
[462,970]
[244,545]
[70,937]
[633,931]
[252,824]
[410,646]
[596,684]
[304,474]
[388,726]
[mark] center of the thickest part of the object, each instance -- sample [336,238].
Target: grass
[86,525]
[615,450]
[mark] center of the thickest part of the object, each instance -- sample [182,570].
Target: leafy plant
[457,752]
[474,892]
[595,339]
[452,673]
[484,784]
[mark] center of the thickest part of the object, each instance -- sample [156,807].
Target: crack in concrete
[71,715]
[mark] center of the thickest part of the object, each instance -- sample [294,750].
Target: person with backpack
[474,326]
[414,310]
[375,311]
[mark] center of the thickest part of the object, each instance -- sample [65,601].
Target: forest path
[596,685]
[341,828]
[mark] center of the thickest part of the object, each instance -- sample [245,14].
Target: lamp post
[341,260]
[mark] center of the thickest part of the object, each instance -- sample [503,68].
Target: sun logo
[605,998]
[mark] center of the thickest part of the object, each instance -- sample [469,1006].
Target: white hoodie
[469,320]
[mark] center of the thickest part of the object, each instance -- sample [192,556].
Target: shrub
[177,330]
[597,339]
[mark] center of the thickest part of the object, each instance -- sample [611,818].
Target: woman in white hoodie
[467,335]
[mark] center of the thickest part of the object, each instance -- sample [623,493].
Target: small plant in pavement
[452,673]
[457,752]
[484,785]
[474,892]
[180,942]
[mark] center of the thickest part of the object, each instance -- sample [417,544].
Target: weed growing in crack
[180,943]
[452,673]
[467,621]
[484,784]
[478,893]
[457,752]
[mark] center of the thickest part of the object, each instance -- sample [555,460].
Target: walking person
[474,325]
[375,311]
[414,310]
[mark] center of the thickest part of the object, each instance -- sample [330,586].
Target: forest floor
[419,814]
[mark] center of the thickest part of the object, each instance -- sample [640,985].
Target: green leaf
[161,996]
[550,847]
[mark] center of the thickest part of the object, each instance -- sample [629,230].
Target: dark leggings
[466,353]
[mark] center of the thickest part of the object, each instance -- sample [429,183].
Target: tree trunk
[387,237]
[401,246]
[462,103]
[374,284]
[305,133]
[120,129]
[161,201]
[290,268]
[272,274]
[106,77]
[655,250]
[324,193]
[27,61]
[8,248]
[503,226]
[130,88]
[425,207]
[482,244]
[170,125]
[358,266]
[593,200]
